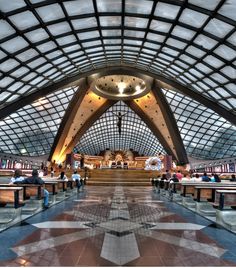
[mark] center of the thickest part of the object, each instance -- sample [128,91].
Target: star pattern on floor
[119,223]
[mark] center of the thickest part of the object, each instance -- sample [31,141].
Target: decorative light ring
[153,163]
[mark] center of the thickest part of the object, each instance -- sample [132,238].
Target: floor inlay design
[118,226]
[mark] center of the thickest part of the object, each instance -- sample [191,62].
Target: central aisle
[110,226]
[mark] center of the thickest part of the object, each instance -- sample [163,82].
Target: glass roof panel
[15,4]
[228,10]
[31,130]
[51,12]
[24,20]
[6,29]
[165,10]
[209,4]
[165,37]
[205,134]
[136,22]
[106,6]
[77,7]
[139,7]
[193,18]
[103,134]
[218,28]
[183,32]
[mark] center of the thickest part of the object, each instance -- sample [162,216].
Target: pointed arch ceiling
[104,134]
[192,42]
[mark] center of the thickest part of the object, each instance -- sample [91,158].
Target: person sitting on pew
[161,182]
[216,178]
[212,178]
[62,176]
[179,175]
[17,177]
[233,178]
[174,179]
[186,177]
[35,179]
[76,177]
[196,178]
[168,175]
[205,177]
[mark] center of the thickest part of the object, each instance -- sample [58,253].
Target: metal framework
[44,45]
[135,134]
[132,105]
[31,130]
[205,134]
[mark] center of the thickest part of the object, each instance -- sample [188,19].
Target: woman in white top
[17,176]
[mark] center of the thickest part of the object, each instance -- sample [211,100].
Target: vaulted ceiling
[189,47]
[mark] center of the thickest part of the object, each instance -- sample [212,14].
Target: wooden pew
[189,187]
[175,187]
[11,195]
[29,190]
[61,188]
[62,185]
[224,192]
[11,202]
[226,217]
[208,192]
[51,187]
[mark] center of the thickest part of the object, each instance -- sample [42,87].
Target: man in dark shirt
[35,179]
[205,177]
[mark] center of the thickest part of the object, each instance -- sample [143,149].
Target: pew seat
[226,218]
[205,208]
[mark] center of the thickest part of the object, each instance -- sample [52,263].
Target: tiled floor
[117,226]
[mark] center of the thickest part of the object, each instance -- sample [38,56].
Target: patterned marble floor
[117,226]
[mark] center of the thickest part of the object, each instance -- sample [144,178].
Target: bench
[11,195]
[33,197]
[52,188]
[209,192]
[61,188]
[224,192]
[226,217]
[11,200]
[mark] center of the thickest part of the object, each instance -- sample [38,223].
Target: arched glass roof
[205,134]
[192,42]
[31,130]
[104,134]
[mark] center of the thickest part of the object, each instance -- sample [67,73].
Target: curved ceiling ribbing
[104,134]
[193,42]
[205,134]
[31,130]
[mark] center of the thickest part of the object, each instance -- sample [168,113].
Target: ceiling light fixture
[121,87]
